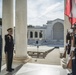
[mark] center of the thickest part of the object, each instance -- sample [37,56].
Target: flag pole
[71,12]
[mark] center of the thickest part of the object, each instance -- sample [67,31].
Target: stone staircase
[31,42]
[42,42]
[55,42]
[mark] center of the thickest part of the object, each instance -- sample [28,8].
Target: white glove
[66,44]
[72,48]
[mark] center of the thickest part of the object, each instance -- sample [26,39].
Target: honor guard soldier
[73,53]
[9,48]
[68,40]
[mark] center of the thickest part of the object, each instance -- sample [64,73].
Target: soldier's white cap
[70,30]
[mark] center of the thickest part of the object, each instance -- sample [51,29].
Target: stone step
[16,66]
[34,69]
[46,43]
[40,69]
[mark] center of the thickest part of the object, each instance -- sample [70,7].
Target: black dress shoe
[12,69]
[9,70]
[69,74]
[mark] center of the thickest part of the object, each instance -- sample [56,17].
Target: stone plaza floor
[40,69]
[50,65]
[35,69]
[52,58]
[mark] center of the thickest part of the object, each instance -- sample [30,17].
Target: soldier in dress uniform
[68,42]
[73,53]
[9,48]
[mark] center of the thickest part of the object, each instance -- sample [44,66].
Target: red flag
[68,8]
[72,20]
[70,11]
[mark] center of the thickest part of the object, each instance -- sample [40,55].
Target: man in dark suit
[9,47]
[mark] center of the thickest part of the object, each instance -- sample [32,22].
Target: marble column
[7,18]
[43,34]
[33,34]
[28,34]
[38,34]
[67,25]
[21,30]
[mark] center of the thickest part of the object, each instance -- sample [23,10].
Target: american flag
[70,11]
[75,1]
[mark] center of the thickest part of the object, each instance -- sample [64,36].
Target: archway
[58,31]
[31,34]
[36,34]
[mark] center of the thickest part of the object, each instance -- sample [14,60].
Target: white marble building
[51,33]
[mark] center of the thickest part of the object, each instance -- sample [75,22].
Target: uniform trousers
[73,66]
[9,59]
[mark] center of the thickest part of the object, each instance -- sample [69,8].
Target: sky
[40,11]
